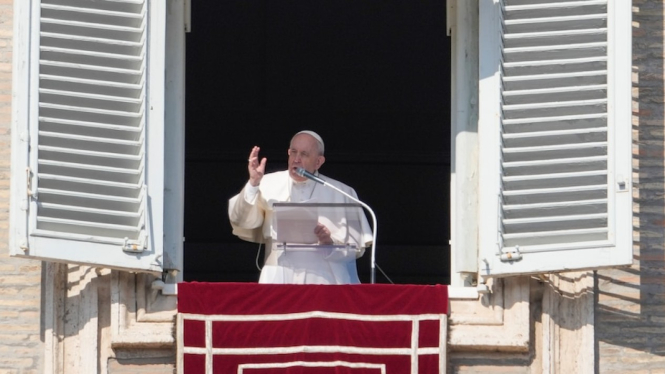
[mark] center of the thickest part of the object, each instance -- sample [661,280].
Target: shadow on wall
[630,304]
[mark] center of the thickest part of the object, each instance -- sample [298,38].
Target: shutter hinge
[512,254]
[168,289]
[28,182]
[136,246]
[168,285]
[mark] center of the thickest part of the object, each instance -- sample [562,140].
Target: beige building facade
[72,318]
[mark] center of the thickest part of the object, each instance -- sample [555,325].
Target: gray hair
[314,135]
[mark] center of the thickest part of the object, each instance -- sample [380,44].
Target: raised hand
[256,169]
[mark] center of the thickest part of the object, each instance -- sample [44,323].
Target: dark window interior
[371,77]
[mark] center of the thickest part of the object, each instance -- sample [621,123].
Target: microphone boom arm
[304,173]
[374,229]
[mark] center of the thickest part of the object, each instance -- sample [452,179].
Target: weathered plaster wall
[630,311]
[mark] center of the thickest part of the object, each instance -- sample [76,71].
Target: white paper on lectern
[295,224]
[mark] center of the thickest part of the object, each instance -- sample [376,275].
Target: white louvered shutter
[555,135]
[90,117]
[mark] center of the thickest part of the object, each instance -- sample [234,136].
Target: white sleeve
[244,209]
[250,193]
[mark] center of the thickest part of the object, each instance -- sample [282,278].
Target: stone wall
[20,341]
[630,302]
[630,309]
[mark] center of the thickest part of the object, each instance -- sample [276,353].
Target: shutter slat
[554,209]
[555,9]
[556,104]
[578,217]
[90,53]
[91,82]
[554,109]
[58,114]
[93,39]
[98,145]
[94,125]
[108,198]
[86,210]
[567,37]
[586,174]
[106,112]
[47,195]
[553,80]
[90,217]
[91,158]
[101,27]
[89,96]
[128,132]
[553,204]
[595,177]
[536,134]
[123,76]
[84,100]
[553,19]
[561,62]
[561,166]
[123,7]
[574,119]
[557,48]
[554,34]
[558,147]
[565,90]
[93,68]
[553,5]
[92,58]
[551,52]
[83,152]
[91,167]
[556,76]
[87,216]
[601,187]
[74,223]
[565,179]
[96,183]
[571,151]
[63,10]
[561,234]
[554,66]
[91,87]
[575,160]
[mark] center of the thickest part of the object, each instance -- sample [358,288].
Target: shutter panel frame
[501,254]
[83,245]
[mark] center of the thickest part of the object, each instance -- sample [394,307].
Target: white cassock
[251,215]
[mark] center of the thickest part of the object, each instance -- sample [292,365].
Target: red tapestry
[253,328]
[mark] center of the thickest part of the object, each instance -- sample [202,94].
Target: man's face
[304,153]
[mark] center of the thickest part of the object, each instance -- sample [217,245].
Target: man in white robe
[251,212]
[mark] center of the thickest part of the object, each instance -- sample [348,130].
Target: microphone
[304,173]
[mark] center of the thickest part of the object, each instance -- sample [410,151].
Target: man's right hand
[256,169]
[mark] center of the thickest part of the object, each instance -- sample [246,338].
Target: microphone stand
[304,173]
